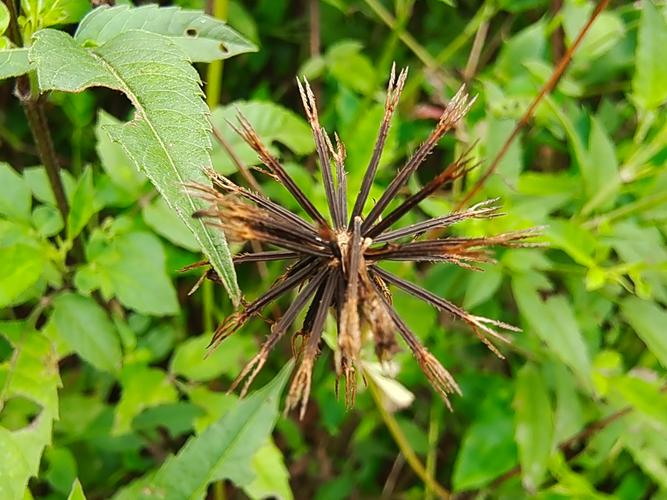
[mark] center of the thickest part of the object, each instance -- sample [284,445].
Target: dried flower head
[335,263]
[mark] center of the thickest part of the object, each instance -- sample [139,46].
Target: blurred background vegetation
[576,410]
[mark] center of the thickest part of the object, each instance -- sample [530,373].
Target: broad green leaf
[61,468]
[511,165]
[271,475]
[189,359]
[605,32]
[534,425]
[15,197]
[165,222]
[14,62]
[47,220]
[76,493]
[169,137]
[83,205]
[85,326]
[31,372]
[600,171]
[143,387]
[203,38]
[553,321]
[648,82]
[648,320]
[132,267]
[21,266]
[223,451]
[273,123]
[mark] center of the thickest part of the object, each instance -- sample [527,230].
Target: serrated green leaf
[84,325]
[273,123]
[553,321]
[83,205]
[648,320]
[648,82]
[533,425]
[14,62]
[169,137]
[143,387]
[203,38]
[223,451]
[31,372]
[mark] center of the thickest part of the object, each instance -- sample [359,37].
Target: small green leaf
[534,425]
[351,67]
[15,196]
[189,361]
[63,12]
[529,44]
[203,38]
[84,325]
[648,321]
[4,18]
[13,62]
[76,493]
[82,206]
[169,137]
[114,161]
[644,396]
[132,267]
[20,267]
[223,451]
[554,323]
[486,452]
[482,286]
[600,172]
[273,123]
[143,387]
[648,83]
[271,475]
[166,223]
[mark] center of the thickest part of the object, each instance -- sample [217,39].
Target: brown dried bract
[336,262]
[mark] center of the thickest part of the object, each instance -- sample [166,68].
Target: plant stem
[431,457]
[403,444]
[546,88]
[214,71]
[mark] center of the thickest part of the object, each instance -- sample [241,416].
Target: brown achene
[335,263]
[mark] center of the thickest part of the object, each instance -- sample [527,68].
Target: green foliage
[105,383]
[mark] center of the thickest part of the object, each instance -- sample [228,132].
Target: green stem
[403,445]
[215,68]
[207,305]
[431,457]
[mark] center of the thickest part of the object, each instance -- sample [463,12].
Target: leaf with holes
[169,138]
[203,38]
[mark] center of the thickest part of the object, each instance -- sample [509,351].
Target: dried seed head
[336,259]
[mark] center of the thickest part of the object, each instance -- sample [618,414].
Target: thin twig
[403,444]
[546,88]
